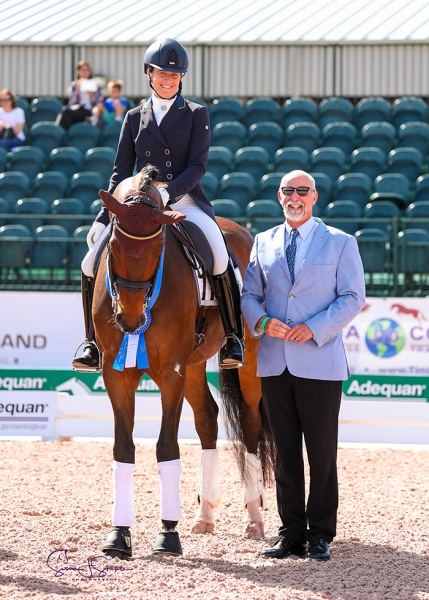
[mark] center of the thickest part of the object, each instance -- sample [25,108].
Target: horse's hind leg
[205,411]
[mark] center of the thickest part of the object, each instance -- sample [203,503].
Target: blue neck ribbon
[141,356]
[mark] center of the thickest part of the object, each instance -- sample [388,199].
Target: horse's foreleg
[169,468]
[205,416]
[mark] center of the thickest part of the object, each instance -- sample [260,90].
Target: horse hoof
[201,527]
[118,543]
[253,531]
[168,542]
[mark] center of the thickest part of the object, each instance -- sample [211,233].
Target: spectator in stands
[115,106]
[12,121]
[303,285]
[174,135]
[86,100]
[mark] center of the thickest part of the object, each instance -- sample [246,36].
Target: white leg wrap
[209,477]
[253,486]
[123,494]
[169,475]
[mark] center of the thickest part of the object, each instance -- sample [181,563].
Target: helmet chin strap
[179,89]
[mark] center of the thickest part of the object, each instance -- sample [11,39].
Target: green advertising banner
[385,387]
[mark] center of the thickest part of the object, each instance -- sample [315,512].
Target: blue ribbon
[142,359]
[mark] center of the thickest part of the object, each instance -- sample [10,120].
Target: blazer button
[169,176]
[147,153]
[167,151]
[289,321]
[168,163]
[291,296]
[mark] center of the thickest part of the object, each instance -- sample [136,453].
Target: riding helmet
[166,55]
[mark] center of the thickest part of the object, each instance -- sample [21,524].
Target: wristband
[264,322]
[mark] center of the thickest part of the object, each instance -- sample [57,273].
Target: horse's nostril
[126,328]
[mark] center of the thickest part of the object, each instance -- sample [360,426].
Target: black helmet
[167,55]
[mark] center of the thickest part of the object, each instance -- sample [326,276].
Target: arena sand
[56,497]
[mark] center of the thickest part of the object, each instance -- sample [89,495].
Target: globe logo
[385,338]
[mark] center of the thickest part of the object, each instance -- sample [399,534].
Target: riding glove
[94,233]
[165,196]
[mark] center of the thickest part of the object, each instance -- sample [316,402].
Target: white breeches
[194,213]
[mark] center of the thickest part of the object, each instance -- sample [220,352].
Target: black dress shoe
[231,354]
[89,360]
[284,547]
[319,550]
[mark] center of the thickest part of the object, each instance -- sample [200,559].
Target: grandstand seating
[13,186]
[340,135]
[230,134]
[66,160]
[291,158]
[15,246]
[44,109]
[330,161]
[82,136]
[253,160]
[384,215]
[408,108]
[373,249]
[50,247]
[78,248]
[225,109]
[353,186]
[100,160]
[391,186]
[95,206]
[237,186]
[324,189]
[304,135]
[269,185]
[407,161]
[335,109]
[85,186]
[417,214]
[109,136]
[297,110]
[414,134]
[28,160]
[421,189]
[267,135]
[70,211]
[3,160]
[379,135]
[370,161]
[264,214]
[343,214]
[230,209]
[261,109]
[210,184]
[34,211]
[46,136]
[220,161]
[372,109]
[50,185]
[413,259]
[4,210]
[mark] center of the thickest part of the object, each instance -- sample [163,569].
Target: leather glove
[165,196]
[94,233]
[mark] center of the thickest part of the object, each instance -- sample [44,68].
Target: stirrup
[86,368]
[232,364]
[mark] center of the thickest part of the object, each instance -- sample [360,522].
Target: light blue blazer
[329,291]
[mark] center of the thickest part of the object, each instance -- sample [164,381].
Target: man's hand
[299,333]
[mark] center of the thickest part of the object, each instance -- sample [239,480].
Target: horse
[129,276]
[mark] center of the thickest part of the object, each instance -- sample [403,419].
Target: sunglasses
[301,190]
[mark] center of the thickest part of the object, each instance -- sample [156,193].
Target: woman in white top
[12,121]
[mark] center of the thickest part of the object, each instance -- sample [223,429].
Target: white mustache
[299,202]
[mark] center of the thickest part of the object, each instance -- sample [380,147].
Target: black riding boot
[89,358]
[231,354]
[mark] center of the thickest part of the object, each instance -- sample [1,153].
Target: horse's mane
[148,175]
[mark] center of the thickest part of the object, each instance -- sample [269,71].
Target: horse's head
[135,245]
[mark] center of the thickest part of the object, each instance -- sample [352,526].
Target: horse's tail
[235,424]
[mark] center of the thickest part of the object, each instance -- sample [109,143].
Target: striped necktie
[291,253]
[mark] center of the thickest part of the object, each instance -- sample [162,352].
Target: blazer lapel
[174,114]
[319,239]
[148,121]
[280,246]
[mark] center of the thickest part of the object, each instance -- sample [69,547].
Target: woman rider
[174,135]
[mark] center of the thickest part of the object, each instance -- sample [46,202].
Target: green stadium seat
[414,134]
[408,108]
[230,134]
[225,109]
[407,161]
[418,215]
[3,160]
[381,214]
[394,187]
[110,135]
[413,260]
[23,103]
[66,160]
[27,159]
[264,214]
[253,160]
[210,185]
[15,246]
[85,186]
[344,215]
[4,210]
[335,109]
[370,161]
[421,190]
[261,109]
[78,247]
[35,211]
[96,206]
[324,189]
[303,135]
[267,135]
[372,109]
[330,161]
[50,185]
[220,161]
[353,186]
[237,186]
[296,110]
[46,136]
[229,209]
[70,212]
[291,159]
[378,135]
[269,185]
[340,135]
[100,160]
[50,247]
[13,186]
[373,249]
[82,136]
[44,108]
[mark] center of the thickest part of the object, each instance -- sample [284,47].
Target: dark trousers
[71,115]
[295,407]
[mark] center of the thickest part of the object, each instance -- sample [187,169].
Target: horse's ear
[115,207]
[167,217]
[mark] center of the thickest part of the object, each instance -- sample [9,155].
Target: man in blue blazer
[303,285]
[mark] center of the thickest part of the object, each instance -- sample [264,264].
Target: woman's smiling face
[165,83]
